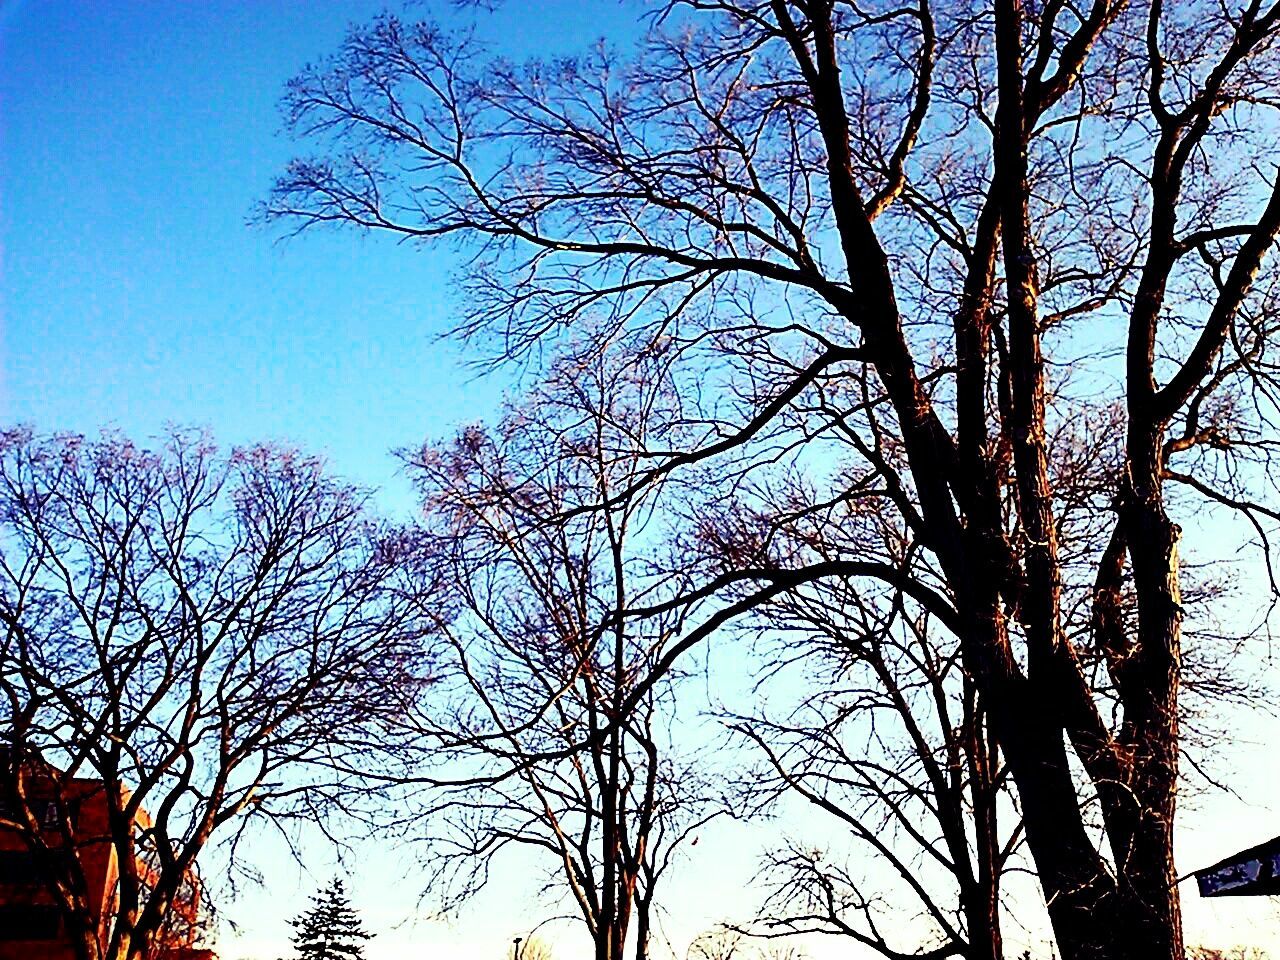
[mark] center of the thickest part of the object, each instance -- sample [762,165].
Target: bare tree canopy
[726,944]
[536,660]
[530,948]
[209,640]
[893,751]
[913,241]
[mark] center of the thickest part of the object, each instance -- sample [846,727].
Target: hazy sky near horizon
[135,138]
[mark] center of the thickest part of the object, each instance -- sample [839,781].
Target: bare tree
[193,642]
[721,943]
[538,659]
[1234,953]
[725,943]
[894,743]
[921,214]
[530,948]
[896,752]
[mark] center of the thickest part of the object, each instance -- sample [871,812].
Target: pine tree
[331,929]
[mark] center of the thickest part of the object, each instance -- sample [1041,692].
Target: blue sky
[134,140]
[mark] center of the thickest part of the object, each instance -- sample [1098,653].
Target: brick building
[32,925]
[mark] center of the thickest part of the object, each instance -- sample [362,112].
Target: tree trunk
[642,930]
[982,906]
[1148,885]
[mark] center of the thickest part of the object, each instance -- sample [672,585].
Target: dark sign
[1250,873]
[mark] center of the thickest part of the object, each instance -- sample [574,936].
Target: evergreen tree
[331,929]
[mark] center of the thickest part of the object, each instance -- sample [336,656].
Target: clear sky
[134,139]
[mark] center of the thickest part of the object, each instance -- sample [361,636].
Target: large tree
[866,713]
[195,642]
[930,232]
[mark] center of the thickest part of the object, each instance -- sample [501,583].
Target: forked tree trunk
[1128,911]
[1150,738]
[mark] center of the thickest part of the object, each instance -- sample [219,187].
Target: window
[23,866]
[46,812]
[30,923]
